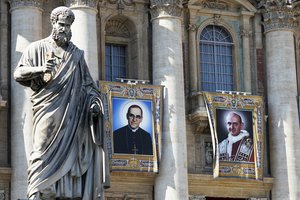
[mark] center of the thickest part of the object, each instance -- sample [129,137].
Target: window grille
[216,60]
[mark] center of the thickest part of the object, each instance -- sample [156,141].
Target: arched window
[216,61]
[120,34]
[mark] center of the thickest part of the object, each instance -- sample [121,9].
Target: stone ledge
[135,185]
[5,170]
[5,174]
[203,184]
[133,177]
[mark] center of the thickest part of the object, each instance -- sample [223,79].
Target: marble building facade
[162,41]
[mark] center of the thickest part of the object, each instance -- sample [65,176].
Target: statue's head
[61,20]
[62,12]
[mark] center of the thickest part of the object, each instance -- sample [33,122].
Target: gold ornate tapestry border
[237,130]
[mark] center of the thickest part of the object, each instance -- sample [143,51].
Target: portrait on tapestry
[133,125]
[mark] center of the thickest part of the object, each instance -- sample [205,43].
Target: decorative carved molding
[197,197]
[166,7]
[199,120]
[215,4]
[84,3]
[216,19]
[121,3]
[198,113]
[117,28]
[19,3]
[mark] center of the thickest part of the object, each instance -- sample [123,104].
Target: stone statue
[67,159]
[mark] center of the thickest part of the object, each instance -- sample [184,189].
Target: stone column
[84,31]
[26,27]
[282,104]
[171,182]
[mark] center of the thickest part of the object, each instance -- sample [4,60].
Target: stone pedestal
[282,103]
[171,183]
[26,27]
[84,32]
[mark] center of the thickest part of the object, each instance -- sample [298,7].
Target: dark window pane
[115,61]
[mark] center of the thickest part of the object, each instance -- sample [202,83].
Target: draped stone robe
[66,159]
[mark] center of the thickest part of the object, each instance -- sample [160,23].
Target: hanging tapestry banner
[237,130]
[132,125]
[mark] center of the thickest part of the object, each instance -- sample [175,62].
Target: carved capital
[192,27]
[245,33]
[82,3]
[166,8]
[279,18]
[20,3]
[278,14]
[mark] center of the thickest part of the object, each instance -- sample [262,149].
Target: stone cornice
[20,3]
[166,8]
[82,3]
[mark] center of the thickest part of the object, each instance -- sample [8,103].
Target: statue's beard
[61,37]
